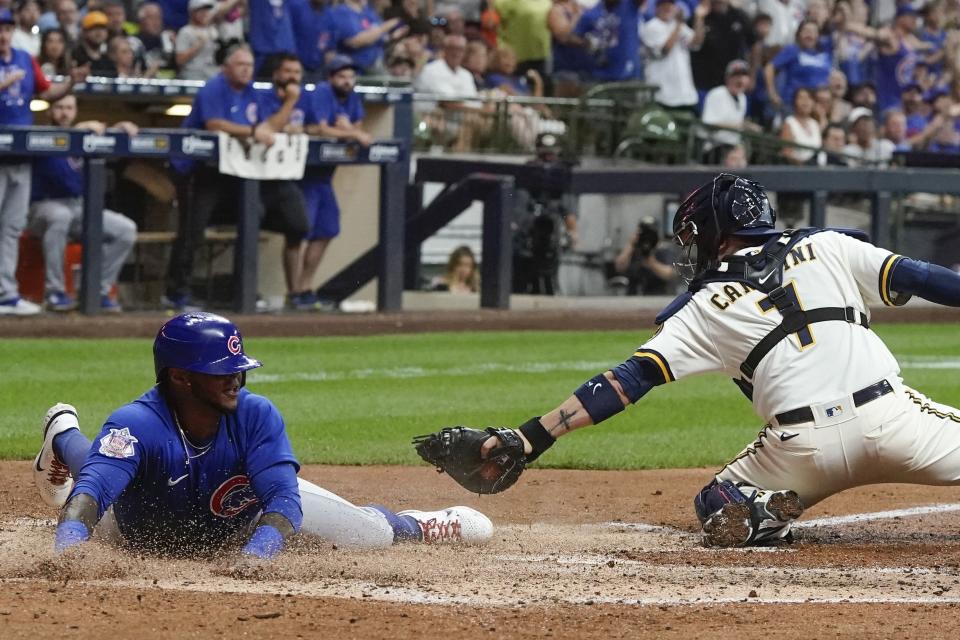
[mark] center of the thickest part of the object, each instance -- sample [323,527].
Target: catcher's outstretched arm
[594,401]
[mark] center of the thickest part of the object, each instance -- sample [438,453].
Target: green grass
[359,400]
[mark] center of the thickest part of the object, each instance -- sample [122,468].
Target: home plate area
[560,549]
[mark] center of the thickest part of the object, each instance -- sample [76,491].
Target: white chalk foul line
[879,515]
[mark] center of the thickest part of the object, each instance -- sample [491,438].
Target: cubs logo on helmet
[233,345]
[232,497]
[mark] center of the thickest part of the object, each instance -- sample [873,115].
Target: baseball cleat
[782,506]
[50,474]
[452,525]
[728,527]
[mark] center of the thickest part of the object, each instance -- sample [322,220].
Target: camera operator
[647,266]
[545,225]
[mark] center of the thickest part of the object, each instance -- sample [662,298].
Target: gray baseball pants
[14,203]
[54,221]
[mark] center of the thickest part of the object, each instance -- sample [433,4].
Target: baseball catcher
[199,463]
[786,314]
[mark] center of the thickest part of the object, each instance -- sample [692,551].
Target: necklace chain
[188,443]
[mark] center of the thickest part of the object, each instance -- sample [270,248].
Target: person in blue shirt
[610,33]
[898,50]
[806,63]
[359,33]
[337,112]
[228,102]
[20,80]
[199,464]
[57,214]
[287,74]
[312,31]
[271,31]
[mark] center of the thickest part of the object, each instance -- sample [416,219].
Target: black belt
[865,395]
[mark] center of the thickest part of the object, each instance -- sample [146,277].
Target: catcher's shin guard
[731,517]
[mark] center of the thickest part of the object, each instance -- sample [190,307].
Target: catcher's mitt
[456,450]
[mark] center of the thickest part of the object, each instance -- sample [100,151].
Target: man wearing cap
[337,112]
[726,37]
[726,105]
[196,44]
[229,103]
[897,53]
[866,147]
[668,41]
[91,50]
[20,80]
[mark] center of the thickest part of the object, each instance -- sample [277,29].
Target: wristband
[70,533]
[266,542]
[538,437]
[599,398]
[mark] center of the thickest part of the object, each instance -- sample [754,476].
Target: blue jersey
[15,99]
[161,498]
[175,14]
[519,84]
[217,100]
[312,31]
[894,73]
[56,177]
[938,40]
[802,68]
[271,30]
[617,38]
[328,107]
[302,114]
[346,24]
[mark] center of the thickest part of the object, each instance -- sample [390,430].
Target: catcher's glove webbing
[456,450]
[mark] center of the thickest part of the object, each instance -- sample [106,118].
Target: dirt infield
[577,554]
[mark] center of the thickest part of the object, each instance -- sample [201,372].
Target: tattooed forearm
[564,423]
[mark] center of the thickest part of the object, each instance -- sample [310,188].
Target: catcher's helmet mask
[726,206]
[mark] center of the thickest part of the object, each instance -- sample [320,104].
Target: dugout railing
[880,186]
[392,157]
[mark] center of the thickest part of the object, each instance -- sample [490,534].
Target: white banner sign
[284,160]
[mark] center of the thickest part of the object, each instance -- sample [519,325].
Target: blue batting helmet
[203,343]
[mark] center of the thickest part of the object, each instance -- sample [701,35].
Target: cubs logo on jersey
[232,497]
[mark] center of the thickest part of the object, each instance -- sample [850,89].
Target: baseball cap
[858,113]
[6,17]
[340,62]
[94,19]
[200,4]
[736,67]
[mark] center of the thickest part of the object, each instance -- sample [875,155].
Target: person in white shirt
[726,105]
[668,42]
[785,16]
[866,147]
[459,120]
[27,36]
[196,44]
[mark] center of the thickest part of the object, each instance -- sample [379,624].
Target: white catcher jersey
[720,325]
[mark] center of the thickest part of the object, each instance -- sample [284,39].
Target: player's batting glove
[265,543]
[457,451]
[69,534]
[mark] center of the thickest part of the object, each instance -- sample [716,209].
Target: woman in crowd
[461,274]
[806,63]
[54,59]
[801,128]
